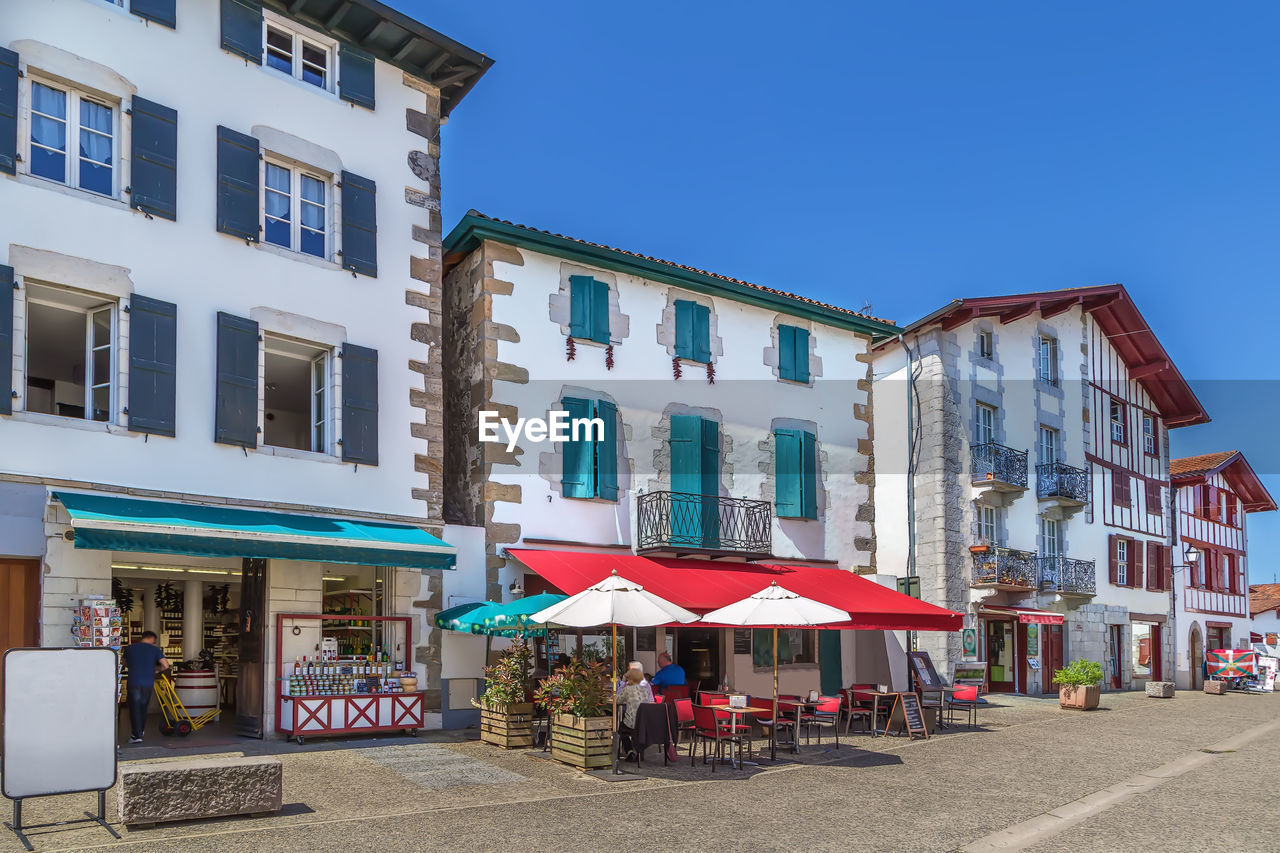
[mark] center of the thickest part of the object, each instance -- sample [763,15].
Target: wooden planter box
[1080,698]
[507,726]
[582,742]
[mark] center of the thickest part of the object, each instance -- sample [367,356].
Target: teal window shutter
[801,355]
[702,334]
[686,457]
[787,477]
[607,451]
[359,225]
[599,312]
[8,111]
[237,184]
[710,461]
[241,22]
[359,404]
[7,296]
[809,475]
[684,328]
[355,81]
[154,188]
[786,352]
[577,478]
[580,306]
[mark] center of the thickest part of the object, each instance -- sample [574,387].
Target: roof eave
[472,229]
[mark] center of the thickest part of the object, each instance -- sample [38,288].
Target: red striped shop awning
[703,585]
[1025,615]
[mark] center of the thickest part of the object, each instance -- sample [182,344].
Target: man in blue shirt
[668,674]
[140,660]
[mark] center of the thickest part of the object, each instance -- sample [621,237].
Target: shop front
[1022,647]
[264,610]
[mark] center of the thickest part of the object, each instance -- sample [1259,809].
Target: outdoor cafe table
[875,696]
[735,713]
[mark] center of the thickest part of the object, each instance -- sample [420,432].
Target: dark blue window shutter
[7,295]
[242,28]
[580,306]
[786,352]
[153,366]
[355,75]
[787,474]
[684,328]
[238,184]
[155,159]
[800,363]
[577,476]
[8,111]
[359,225]
[702,334]
[359,404]
[235,419]
[600,311]
[607,451]
[160,11]
[808,475]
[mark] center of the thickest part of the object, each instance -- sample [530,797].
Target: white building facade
[220,254]
[736,428]
[1216,493]
[1022,476]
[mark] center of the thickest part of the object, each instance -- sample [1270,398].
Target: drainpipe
[911,486]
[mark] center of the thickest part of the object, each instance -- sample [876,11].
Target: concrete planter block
[1217,688]
[187,790]
[1160,689]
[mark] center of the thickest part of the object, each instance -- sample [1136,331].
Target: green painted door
[829,662]
[695,481]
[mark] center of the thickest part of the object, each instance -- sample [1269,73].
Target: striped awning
[110,523]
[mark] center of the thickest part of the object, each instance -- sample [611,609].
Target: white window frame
[109,305]
[986,344]
[297,171]
[1148,434]
[1048,444]
[985,418]
[298,38]
[1050,537]
[71,166]
[1047,359]
[1117,424]
[322,411]
[1122,562]
[989,524]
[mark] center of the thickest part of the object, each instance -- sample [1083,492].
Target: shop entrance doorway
[698,651]
[1197,658]
[250,701]
[1051,655]
[19,603]
[1115,642]
[1001,639]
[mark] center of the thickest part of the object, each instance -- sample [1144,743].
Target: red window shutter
[1153,565]
[1111,552]
[1212,499]
[1135,564]
[1167,563]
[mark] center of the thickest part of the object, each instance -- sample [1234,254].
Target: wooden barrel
[198,691]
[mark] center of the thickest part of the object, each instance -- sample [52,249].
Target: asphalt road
[1132,775]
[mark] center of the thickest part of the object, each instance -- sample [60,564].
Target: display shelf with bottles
[171,632]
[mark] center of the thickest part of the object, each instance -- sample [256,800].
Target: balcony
[998,468]
[1066,576]
[700,524]
[1061,485]
[997,567]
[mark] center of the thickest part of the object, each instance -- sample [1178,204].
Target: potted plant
[578,701]
[506,714]
[1079,684]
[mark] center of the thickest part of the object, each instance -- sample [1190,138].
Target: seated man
[669,674]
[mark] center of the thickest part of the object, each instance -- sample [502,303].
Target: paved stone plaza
[1107,777]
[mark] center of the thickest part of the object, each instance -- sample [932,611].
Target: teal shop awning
[107,523]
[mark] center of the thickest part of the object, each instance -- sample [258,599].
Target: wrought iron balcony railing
[685,522]
[999,465]
[1068,576]
[1058,480]
[999,566]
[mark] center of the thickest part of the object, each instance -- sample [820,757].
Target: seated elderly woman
[633,694]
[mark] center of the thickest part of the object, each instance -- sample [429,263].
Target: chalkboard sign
[908,713]
[742,641]
[922,667]
[646,639]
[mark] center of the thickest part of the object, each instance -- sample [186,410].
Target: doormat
[178,744]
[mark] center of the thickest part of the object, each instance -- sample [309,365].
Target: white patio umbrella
[615,601]
[775,606]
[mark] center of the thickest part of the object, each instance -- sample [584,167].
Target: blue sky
[903,154]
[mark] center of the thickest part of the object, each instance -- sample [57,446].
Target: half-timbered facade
[1215,494]
[1032,478]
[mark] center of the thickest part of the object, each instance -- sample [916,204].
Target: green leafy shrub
[507,681]
[580,687]
[1081,672]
